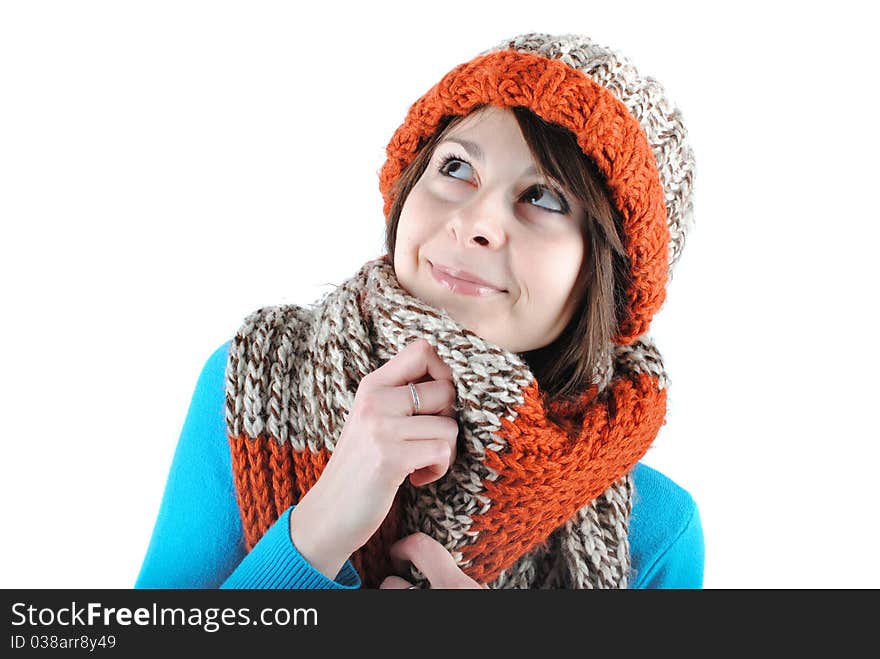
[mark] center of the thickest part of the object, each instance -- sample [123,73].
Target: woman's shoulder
[666,535]
[214,368]
[209,396]
[217,359]
[657,491]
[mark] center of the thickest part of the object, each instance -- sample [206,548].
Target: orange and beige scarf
[526,504]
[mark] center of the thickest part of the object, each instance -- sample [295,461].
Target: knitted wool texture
[525,505]
[514,510]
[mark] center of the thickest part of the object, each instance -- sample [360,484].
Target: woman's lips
[460,285]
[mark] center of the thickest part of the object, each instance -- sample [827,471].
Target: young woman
[470,409]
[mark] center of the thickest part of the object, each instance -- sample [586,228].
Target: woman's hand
[381,444]
[431,559]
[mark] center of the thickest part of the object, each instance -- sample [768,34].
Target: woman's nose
[484,220]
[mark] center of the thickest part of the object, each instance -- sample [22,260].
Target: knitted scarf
[525,504]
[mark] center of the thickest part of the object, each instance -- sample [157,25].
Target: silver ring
[415,397]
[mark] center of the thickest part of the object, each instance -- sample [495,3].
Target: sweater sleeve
[197,539]
[666,535]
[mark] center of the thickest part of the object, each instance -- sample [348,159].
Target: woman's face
[481,208]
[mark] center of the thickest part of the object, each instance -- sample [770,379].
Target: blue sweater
[198,540]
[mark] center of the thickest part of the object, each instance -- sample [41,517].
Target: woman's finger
[425,460]
[431,559]
[436,397]
[414,362]
[396,583]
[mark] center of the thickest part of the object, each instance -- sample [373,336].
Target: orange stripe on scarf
[529,502]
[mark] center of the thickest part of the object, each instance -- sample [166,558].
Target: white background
[167,167]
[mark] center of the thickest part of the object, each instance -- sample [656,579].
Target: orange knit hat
[621,120]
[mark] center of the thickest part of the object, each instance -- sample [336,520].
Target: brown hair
[564,369]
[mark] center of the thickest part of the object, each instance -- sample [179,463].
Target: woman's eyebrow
[472,148]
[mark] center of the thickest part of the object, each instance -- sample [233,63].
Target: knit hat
[621,119]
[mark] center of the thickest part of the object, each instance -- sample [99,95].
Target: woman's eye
[455,167]
[539,193]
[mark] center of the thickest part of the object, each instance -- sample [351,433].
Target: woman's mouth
[461,286]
